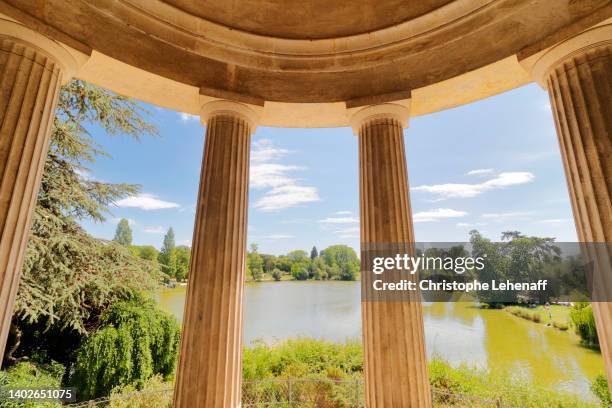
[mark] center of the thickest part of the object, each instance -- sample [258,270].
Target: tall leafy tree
[69,277]
[183,256]
[167,256]
[255,263]
[123,233]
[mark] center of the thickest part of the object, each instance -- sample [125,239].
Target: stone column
[393,335]
[210,364]
[32,68]
[578,76]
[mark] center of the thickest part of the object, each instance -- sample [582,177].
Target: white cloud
[187,117]
[556,221]
[507,215]
[437,214]
[155,230]
[145,202]
[452,190]
[339,220]
[271,175]
[471,224]
[344,213]
[263,150]
[480,172]
[283,189]
[286,196]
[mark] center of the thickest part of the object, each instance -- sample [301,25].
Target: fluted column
[578,76]
[210,363]
[393,335]
[32,68]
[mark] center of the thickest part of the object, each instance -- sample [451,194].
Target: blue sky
[492,165]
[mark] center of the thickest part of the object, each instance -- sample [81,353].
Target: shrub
[584,322]
[276,274]
[560,325]
[30,375]
[136,342]
[154,393]
[601,390]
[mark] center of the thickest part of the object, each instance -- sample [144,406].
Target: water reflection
[458,332]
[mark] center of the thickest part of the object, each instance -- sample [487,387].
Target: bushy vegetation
[327,374]
[524,313]
[136,342]
[336,262]
[602,391]
[464,386]
[30,375]
[520,258]
[154,393]
[172,260]
[583,321]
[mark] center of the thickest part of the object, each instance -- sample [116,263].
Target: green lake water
[458,332]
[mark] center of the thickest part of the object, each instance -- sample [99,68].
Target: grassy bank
[331,375]
[555,316]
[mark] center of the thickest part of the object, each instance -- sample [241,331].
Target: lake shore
[459,333]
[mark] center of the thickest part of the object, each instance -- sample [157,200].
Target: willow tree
[69,277]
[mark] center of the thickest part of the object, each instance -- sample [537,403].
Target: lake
[458,332]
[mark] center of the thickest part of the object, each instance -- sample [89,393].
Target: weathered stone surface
[580,88]
[209,372]
[339,50]
[393,335]
[29,85]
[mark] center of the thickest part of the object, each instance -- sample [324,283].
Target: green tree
[277,274]
[314,253]
[583,321]
[255,263]
[299,271]
[298,256]
[123,233]
[137,341]
[69,277]
[183,257]
[342,262]
[269,262]
[147,252]
[167,256]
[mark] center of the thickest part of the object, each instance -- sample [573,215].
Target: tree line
[172,260]
[336,262]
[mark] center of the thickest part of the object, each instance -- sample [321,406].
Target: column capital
[231,108]
[381,111]
[69,60]
[541,64]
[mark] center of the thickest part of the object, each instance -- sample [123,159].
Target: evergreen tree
[123,233]
[167,256]
[69,277]
[314,253]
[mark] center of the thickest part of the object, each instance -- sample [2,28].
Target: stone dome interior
[308,19]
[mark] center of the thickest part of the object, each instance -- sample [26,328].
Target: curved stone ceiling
[310,51]
[313,19]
